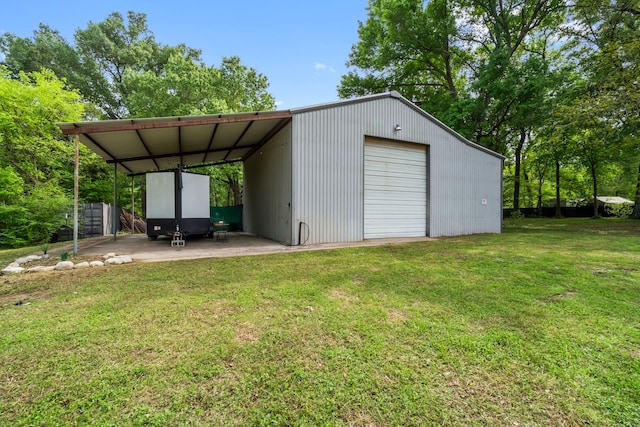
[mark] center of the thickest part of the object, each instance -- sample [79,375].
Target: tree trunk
[636,208]
[558,208]
[516,180]
[143,197]
[539,201]
[595,191]
[237,194]
[212,190]
[528,197]
[234,192]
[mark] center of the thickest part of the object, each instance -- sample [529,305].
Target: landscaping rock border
[20,265]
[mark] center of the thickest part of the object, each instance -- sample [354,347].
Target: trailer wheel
[152,238]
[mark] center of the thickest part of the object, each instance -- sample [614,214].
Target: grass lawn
[539,325]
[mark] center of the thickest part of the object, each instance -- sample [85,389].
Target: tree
[48,49]
[606,50]
[103,53]
[30,141]
[188,87]
[458,58]
[112,48]
[411,48]
[33,154]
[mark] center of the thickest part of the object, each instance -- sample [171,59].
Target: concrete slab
[238,244]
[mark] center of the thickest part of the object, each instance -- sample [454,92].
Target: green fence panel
[232,215]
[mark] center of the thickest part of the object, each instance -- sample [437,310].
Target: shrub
[619,210]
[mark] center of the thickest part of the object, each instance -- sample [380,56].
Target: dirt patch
[38,286]
[340,295]
[246,334]
[570,293]
[397,316]
[601,271]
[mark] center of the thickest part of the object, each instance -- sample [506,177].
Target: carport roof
[141,145]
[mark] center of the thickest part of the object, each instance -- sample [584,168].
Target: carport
[138,146]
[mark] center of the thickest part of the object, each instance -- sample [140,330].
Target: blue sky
[301,46]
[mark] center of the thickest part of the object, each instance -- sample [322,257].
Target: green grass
[537,326]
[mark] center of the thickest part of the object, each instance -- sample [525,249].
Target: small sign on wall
[484,201]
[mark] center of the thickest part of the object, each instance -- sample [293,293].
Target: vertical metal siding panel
[464,177]
[328,163]
[267,191]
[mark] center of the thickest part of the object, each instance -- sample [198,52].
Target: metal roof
[396,95]
[141,145]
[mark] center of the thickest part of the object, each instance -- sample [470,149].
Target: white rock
[114,261]
[14,264]
[41,268]
[109,255]
[12,270]
[26,259]
[96,264]
[64,265]
[81,265]
[126,259]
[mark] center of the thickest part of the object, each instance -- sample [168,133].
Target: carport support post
[76,166]
[133,205]
[115,189]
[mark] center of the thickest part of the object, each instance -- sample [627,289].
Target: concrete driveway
[238,244]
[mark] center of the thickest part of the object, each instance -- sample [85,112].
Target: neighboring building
[602,200]
[370,167]
[611,200]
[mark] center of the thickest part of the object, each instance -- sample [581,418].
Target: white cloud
[323,67]
[279,103]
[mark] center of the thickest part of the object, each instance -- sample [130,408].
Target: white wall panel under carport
[267,189]
[395,189]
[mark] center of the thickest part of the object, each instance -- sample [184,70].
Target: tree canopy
[119,67]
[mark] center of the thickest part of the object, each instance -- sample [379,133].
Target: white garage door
[395,189]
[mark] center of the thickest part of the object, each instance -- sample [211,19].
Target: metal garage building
[370,167]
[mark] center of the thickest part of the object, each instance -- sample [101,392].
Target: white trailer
[177,201]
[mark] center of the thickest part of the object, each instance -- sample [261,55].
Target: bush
[32,217]
[515,217]
[13,225]
[619,210]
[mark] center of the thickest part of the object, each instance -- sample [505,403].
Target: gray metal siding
[465,191]
[328,182]
[328,165]
[267,189]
